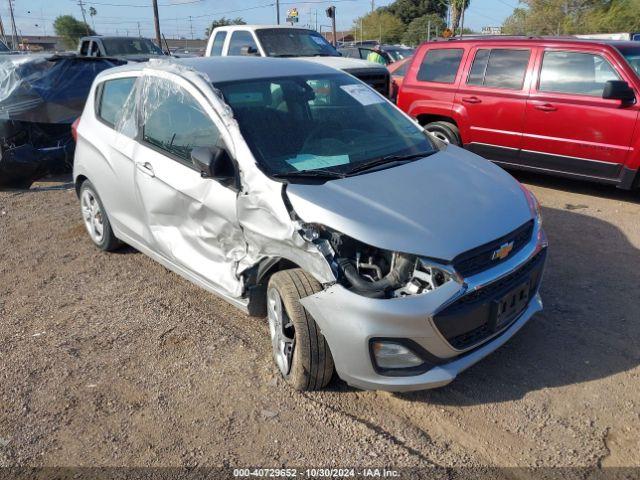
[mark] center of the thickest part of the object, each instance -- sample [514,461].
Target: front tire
[95,219]
[445,131]
[299,348]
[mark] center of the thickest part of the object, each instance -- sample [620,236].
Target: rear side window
[218,42]
[440,65]
[241,39]
[499,68]
[576,73]
[114,94]
[84,48]
[177,122]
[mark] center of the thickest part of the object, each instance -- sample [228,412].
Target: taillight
[74,129]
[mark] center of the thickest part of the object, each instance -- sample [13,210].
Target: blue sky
[35,17]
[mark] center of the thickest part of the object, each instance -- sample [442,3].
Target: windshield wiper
[318,173]
[376,162]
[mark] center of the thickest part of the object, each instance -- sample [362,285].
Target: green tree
[417,30]
[223,22]
[379,25]
[70,30]
[409,10]
[566,17]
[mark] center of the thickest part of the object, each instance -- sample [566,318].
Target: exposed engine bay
[373,272]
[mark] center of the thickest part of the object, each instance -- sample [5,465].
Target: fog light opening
[393,355]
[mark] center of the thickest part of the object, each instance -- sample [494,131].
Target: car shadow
[576,186]
[587,331]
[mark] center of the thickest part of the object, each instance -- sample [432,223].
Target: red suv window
[499,68]
[440,65]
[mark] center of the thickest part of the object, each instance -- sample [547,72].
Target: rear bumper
[349,322]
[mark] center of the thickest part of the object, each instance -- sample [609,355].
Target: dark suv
[554,105]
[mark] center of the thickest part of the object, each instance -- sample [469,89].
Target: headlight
[534,204]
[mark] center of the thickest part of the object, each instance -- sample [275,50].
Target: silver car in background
[296,192]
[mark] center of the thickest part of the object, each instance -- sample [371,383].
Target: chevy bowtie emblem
[503,252]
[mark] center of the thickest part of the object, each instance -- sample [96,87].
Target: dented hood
[438,207]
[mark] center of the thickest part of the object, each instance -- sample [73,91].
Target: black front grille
[481,258]
[467,321]
[377,79]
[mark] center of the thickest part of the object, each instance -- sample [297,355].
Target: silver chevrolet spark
[296,192]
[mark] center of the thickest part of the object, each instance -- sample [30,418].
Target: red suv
[562,106]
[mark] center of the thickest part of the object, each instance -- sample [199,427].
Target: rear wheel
[445,131]
[299,348]
[95,218]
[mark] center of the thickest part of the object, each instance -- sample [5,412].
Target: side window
[440,65]
[95,49]
[218,42]
[239,39]
[176,123]
[84,48]
[499,68]
[401,71]
[576,73]
[113,97]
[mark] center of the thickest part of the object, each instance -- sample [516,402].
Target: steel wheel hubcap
[281,330]
[440,136]
[92,216]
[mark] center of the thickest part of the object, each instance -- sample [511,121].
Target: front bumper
[350,321]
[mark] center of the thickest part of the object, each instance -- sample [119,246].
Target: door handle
[471,100]
[546,107]
[146,168]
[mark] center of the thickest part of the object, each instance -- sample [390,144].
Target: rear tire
[299,348]
[445,131]
[96,220]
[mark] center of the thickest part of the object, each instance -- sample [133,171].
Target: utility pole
[139,33]
[4,37]
[191,26]
[84,16]
[278,12]
[14,30]
[156,22]
[373,5]
[429,31]
[462,20]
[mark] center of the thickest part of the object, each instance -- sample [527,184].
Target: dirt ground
[112,360]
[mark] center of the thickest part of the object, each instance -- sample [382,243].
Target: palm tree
[92,13]
[457,7]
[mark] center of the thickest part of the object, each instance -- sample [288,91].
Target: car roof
[260,27]
[546,40]
[227,69]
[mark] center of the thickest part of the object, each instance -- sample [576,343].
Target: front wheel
[445,131]
[299,348]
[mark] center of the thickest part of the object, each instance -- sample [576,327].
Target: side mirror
[618,90]
[248,50]
[215,162]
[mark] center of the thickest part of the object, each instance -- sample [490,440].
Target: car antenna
[166,45]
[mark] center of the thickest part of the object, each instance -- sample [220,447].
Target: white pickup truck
[286,41]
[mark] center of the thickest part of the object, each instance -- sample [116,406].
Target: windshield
[293,42]
[130,46]
[399,53]
[329,123]
[632,54]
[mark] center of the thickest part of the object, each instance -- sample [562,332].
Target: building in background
[491,30]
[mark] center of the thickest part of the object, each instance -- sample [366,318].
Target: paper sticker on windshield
[312,162]
[319,40]
[363,94]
